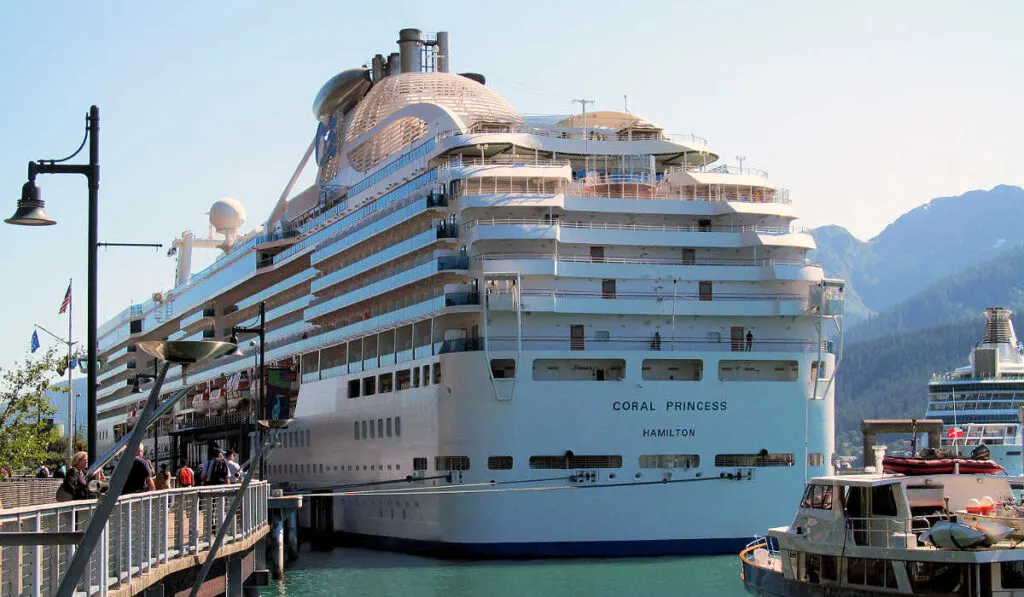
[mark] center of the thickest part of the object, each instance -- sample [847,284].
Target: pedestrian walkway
[148,538]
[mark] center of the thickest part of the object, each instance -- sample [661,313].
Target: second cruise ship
[505,335]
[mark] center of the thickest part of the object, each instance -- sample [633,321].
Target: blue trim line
[558,549]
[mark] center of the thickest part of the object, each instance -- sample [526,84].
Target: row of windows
[651,369]
[391,168]
[399,380]
[383,428]
[926,578]
[295,439]
[310,469]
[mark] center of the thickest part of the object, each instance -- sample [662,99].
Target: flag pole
[71,391]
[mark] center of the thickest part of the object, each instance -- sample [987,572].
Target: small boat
[940,466]
[876,534]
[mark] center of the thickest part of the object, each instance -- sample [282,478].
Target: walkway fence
[148,536]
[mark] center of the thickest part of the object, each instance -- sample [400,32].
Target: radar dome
[227,215]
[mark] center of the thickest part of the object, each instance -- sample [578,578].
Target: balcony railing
[561,257]
[627,226]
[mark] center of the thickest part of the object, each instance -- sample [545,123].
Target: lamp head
[237,350]
[30,210]
[135,386]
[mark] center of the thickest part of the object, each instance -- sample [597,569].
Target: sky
[863,110]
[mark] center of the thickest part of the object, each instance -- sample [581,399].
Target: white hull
[697,510]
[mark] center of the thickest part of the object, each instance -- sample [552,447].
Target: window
[451,463]
[388,426]
[403,379]
[597,254]
[704,291]
[704,225]
[437,373]
[135,327]
[815,459]
[729,370]
[356,430]
[689,257]
[669,461]
[416,377]
[818,497]
[353,388]
[385,382]
[608,289]
[672,369]
[398,426]
[373,429]
[764,458]
[364,430]
[380,427]
[579,369]
[419,464]
[503,368]
[308,443]
[499,463]
[426,375]
[1012,574]
[570,460]
[369,387]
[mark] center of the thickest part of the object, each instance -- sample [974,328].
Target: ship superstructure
[979,402]
[518,336]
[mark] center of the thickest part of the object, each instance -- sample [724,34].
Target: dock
[154,543]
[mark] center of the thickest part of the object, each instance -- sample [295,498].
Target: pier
[153,543]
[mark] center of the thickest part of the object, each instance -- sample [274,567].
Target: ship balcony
[415,274]
[203,314]
[595,233]
[116,357]
[111,374]
[408,246]
[664,303]
[585,266]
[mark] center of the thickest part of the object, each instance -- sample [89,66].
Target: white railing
[891,533]
[627,226]
[646,260]
[507,160]
[145,533]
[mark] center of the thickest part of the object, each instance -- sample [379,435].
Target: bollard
[275,547]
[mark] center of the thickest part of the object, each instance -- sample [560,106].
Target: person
[186,476]
[217,471]
[61,472]
[42,472]
[750,339]
[75,486]
[139,479]
[656,344]
[234,469]
[204,469]
[163,478]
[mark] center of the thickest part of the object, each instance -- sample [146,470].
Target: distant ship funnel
[998,327]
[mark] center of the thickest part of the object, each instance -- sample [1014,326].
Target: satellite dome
[227,215]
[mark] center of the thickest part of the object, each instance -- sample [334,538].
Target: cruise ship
[978,403]
[504,335]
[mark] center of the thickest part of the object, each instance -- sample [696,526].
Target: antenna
[586,134]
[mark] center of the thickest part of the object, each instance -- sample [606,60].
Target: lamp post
[261,331]
[30,213]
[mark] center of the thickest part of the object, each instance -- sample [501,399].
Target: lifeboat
[201,403]
[939,466]
[217,400]
[237,389]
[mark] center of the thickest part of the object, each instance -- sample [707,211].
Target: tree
[26,430]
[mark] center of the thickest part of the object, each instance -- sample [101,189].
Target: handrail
[144,536]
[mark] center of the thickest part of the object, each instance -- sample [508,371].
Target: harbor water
[352,572]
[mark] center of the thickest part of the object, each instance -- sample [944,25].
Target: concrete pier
[282,544]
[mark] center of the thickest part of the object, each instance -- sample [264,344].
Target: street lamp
[259,330]
[30,212]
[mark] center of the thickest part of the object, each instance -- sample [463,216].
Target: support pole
[98,521]
[93,283]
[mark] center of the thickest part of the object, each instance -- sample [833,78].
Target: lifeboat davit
[939,466]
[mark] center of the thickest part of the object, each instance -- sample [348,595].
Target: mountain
[923,245]
[998,282]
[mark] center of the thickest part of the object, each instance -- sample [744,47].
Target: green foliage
[26,434]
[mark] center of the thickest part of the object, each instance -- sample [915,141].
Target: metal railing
[145,532]
[891,533]
[627,226]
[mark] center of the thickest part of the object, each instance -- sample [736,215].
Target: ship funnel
[378,68]
[410,46]
[998,327]
[443,52]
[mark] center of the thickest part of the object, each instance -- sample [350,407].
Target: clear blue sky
[863,109]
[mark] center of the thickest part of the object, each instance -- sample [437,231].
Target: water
[349,572]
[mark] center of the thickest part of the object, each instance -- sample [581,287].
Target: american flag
[64,304]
